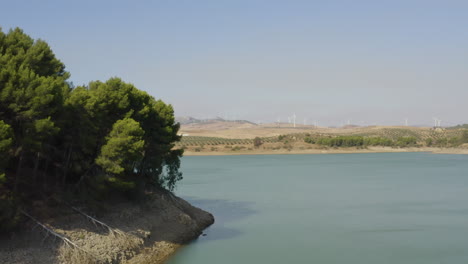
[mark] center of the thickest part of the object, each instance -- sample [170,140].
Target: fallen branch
[97,222]
[64,239]
[93,220]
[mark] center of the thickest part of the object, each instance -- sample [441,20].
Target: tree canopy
[56,137]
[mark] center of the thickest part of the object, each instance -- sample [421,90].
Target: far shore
[327,151]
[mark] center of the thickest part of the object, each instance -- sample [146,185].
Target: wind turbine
[436,122]
[406,121]
[294,119]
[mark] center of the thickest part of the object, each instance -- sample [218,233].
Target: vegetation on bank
[89,141]
[360,141]
[461,126]
[388,137]
[188,141]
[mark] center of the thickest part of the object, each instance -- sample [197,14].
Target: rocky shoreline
[139,233]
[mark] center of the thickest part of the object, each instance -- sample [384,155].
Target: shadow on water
[224,211]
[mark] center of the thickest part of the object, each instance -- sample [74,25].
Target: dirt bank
[149,232]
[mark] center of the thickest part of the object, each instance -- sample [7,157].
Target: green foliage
[6,141]
[349,141]
[406,142]
[464,137]
[360,141]
[341,141]
[200,141]
[9,217]
[123,149]
[32,89]
[454,141]
[257,142]
[378,141]
[237,148]
[429,142]
[56,138]
[444,142]
[94,136]
[32,86]
[462,126]
[441,142]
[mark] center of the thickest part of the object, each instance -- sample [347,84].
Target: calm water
[344,208]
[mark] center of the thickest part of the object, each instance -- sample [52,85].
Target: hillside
[243,130]
[238,138]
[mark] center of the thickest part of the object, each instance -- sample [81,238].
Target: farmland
[272,138]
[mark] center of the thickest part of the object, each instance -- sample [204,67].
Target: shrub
[257,142]
[406,141]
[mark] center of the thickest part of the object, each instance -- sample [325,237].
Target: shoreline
[460,151]
[143,233]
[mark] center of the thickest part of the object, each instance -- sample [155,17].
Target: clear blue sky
[368,61]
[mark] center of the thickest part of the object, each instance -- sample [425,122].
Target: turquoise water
[336,208]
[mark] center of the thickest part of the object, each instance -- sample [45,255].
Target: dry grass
[242,131]
[125,247]
[73,255]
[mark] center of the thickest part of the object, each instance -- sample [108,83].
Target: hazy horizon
[330,62]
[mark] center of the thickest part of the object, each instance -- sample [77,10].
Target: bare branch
[49,231]
[95,222]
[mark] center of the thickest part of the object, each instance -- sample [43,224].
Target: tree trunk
[46,167]
[18,172]
[36,165]
[67,163]
[141,187]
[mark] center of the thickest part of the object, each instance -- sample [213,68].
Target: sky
[331,62]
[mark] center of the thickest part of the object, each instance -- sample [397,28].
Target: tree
[464,136]
[6,141]
[71,138]
[32,87]
[123,149]
[101,105]
[257,142]
[8,216]
[406,142]
[429,142]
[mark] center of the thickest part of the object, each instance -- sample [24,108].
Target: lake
[333,208]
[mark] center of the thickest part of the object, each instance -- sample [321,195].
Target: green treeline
[448,141]
[87,140]
[359,141]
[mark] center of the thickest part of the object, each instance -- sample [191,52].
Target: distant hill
[350,126]
[186,120]
[465,126]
